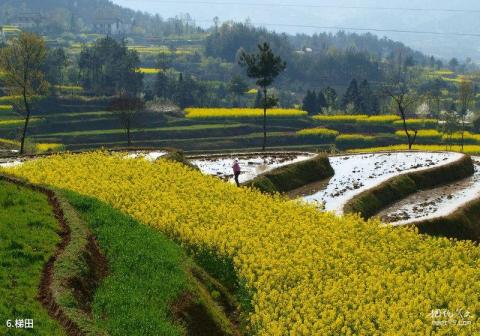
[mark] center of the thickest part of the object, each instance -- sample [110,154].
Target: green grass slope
[28,238]
[149,289]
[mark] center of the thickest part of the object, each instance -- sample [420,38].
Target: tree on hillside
[330,97]
[164,85]
[54,65]
[400,90]
[453,64]
[466,97]
[310,102]
[321,102]
[352,97]
[109,68]
[450,125]
[127,109]
[189,91]
[264,67]
[164,60]
[368,101]
[432,89]
[22,61]
[237,87]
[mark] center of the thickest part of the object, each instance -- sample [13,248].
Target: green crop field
[29,237]
[127,303]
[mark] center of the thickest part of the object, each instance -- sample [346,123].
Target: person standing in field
[236,171]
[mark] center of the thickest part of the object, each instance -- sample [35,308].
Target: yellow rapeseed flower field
[467,136]
[6,107]
[340,118]
[310,273]
[198,113]
[48,147]
[319,131]
[149,71]
[379,120]
[355,137]
[427,133]
[417,122]
[9,142]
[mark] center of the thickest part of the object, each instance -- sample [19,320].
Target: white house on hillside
[111,26]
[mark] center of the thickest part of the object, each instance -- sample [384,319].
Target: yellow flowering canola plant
[311,273]
[320,131]
[198,113]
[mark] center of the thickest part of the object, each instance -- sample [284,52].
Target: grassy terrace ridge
[156,129]
[293,176]
[165,142]
[461,224]
[60,115]
[28,231]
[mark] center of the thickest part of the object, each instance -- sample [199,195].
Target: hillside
[298,13]
[80,16]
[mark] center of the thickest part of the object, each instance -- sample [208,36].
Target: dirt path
[45,289]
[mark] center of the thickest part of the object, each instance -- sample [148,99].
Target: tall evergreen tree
[164,85]
[310,102]
[321,102]
[237,87]
[330,97]
[352,96]
[109,68]
[368,102]
[264,66]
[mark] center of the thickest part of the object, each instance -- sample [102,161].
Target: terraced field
[357,173]
[434,203]
[394,278]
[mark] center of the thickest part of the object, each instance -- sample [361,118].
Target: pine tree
[352,96]
[263,66]
[321,102]
[330,97]
[310,102]
[368,102]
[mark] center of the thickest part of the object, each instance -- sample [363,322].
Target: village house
[110,25]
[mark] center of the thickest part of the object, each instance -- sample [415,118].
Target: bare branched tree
[127,108]
[466,96]
[400,89]
[22,61]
